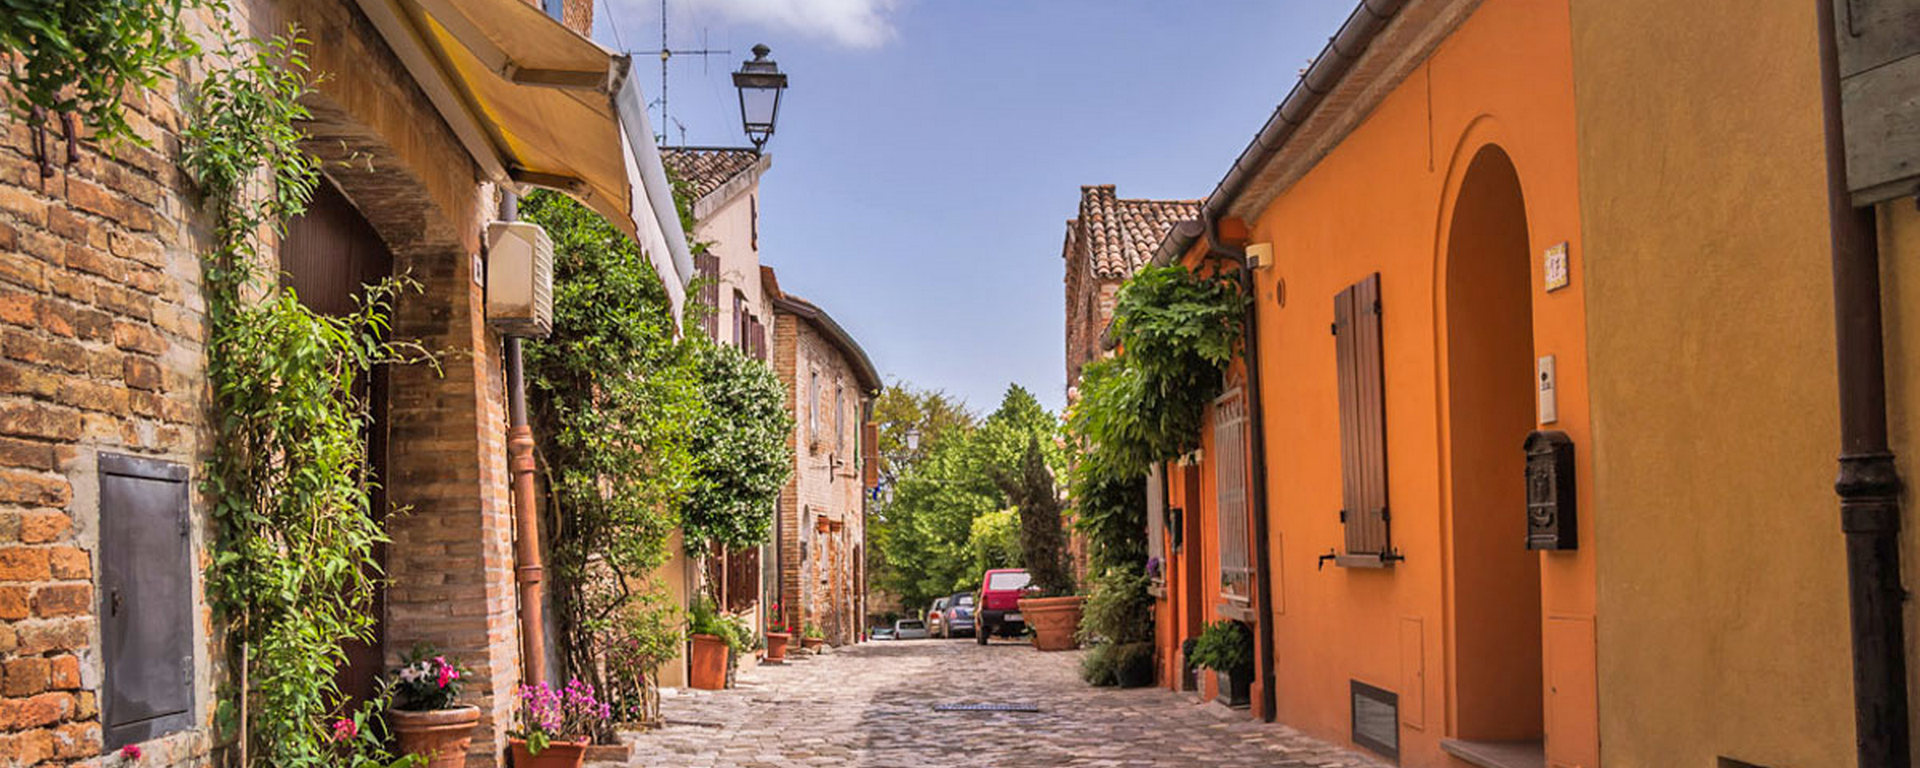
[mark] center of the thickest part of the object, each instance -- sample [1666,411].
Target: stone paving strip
[873,705]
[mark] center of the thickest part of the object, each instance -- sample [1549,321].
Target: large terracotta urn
[558,754]
[1053,620]
[439,735]
[777,647]
[708,663]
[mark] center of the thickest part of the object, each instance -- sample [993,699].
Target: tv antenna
[667,53]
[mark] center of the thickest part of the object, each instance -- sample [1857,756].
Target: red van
[998,609]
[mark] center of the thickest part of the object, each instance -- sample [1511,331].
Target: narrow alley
[873,704]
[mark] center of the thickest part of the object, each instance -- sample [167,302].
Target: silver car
[909,629]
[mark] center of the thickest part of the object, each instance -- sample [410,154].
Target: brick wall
[820,587]
[101,334]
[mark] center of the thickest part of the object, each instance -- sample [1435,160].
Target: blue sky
[929,152]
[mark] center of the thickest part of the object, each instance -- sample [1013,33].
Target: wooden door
[330,254]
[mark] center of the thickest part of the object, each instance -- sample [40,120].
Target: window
[813,407]
[1375,718]
[869,458]
[742,323]
[1008,580]
[1363,425]
[1230,494]
[840,418]
[146,609]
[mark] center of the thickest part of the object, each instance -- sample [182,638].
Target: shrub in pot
[713,638]
[1226,647]
[554,724]
[425,718]
[1052,614]
[777,636]
[812,638]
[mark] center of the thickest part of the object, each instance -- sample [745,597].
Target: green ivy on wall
[82,57]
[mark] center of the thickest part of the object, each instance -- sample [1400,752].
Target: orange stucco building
[1414,208]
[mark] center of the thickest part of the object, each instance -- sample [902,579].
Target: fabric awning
[538,104]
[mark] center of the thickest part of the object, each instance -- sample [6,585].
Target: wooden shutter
[146,608]
[870,454]
[1156,491]
[1230,494]
[707,266]
[1363,421]
[743,579]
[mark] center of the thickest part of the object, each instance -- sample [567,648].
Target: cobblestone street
[873,705]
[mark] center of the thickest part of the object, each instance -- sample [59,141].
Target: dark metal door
[146,608]
[329,256]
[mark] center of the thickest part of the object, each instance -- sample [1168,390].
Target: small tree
[741,455]
[1043,541]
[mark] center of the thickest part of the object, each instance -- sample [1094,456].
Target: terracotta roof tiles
[707,168]
[1121,235]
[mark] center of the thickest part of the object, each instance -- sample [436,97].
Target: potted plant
[712,638]
[777,636]
[554,725]
[1226,648]
[812,638]
[425,719]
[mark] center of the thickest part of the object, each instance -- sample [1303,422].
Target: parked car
[957,619]
[880,633]
[909,629]
[999,604]
[936,618]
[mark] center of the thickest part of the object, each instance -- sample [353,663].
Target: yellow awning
[538,104]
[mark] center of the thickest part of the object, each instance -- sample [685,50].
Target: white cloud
[852,23]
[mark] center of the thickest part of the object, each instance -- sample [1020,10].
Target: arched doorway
[1495,579]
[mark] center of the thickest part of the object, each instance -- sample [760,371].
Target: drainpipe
[1257,455]
[526,548]
[1868,483]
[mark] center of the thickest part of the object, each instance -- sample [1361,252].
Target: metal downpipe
[1868,482]
[528,568]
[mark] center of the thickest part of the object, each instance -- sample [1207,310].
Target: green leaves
[84,56]
[741,446]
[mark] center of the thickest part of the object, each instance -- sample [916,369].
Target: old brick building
[1109,239]
[105,413]
[822,525]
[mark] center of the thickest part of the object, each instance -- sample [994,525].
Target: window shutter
[146,608]
[1363,419]
[1157,518]
[707,266]
[870,454]
[743,579]
[1230,494]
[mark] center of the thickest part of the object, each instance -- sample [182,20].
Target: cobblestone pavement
[872,705]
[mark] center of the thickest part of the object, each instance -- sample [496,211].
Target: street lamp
[760,82]
[913,438]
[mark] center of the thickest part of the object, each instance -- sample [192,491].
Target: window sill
[1368,561]
[1234,609]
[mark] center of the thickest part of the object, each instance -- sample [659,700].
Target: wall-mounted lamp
[1260,255]
[519,279]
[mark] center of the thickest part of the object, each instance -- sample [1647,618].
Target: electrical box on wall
[1260,255]
[519,279]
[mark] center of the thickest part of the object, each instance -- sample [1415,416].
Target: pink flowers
[428,681]
[345,729]
[130,752]
[444,673]
[561,712]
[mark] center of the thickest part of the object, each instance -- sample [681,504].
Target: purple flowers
[561,712]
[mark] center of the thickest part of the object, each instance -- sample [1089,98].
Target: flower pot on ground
[812,638]
[777,647]
[1053,620]
[1235,688]
[425,720]
[1226,647]
[558,754]
[552,725]
[707,663]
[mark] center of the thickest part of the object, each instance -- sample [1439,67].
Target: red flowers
[130,752]
[345,729]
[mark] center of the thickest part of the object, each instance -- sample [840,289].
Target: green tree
[616,401]
[740,449]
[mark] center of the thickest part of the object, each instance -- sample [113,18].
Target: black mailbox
[1551,521]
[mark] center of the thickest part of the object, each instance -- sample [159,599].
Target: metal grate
[986,708]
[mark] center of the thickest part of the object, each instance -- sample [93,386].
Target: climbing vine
[292,574]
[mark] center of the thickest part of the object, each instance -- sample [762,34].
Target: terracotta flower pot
[558,754]
[708,663]
[777,647]
[812,643]
[439,735]
[1053,620]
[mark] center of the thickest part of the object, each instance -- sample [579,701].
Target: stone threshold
[1498,754]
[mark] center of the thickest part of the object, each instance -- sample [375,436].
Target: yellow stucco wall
[1900,292]
[1721,581]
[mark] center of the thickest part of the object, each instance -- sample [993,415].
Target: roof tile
[1121,235]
